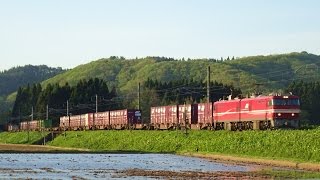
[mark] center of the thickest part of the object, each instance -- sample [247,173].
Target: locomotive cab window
[285,102]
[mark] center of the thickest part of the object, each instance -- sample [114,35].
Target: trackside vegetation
[296,145]
[20,137]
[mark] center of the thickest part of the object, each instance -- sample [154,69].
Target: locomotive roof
[260,98]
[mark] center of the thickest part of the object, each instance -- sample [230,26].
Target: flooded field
[91,166]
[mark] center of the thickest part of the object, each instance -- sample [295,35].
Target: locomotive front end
[284,111]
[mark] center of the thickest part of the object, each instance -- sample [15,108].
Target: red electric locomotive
[262,112]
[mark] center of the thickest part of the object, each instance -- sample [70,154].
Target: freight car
[262,112]
[35,125]
[117,119]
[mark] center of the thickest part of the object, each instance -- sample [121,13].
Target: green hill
[12,79]
[271,73]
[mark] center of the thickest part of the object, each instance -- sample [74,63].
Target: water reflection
[89,166]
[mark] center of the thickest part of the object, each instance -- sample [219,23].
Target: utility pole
[47,114]
[96,103]
[43,125]
[19,117]
[64,124]
[139,105]
[139,95]
[28,124]
[185,119]
[94,114]
[208,97]
[67,107]
[208,85]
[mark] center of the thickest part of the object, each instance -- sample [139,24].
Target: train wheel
[250,125]
[233,127]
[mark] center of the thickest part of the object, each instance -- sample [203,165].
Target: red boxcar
[188,112]
[24,125]
[12,127]
[30,125]
[205,115]
[165,117]
[74,122]
[78,121]
[64,122]
[102,120]
[120,119]
[258,112]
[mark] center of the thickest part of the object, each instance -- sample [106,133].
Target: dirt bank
[23,148]
[191,174]
[251,160]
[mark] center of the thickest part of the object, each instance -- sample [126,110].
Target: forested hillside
[265,73]
[12,79]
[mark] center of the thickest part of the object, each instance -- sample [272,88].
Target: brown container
[64,122]
[30,125]
[34,125]
[188,113]
[12,127]
[125,117]
[102,119]
[23,125]
[165,115]
[77,121]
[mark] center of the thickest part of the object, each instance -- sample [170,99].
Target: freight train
[261,112]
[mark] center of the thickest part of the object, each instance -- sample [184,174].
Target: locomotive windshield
[285,102]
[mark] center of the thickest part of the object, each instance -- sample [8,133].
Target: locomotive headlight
[279,114]
[292,114]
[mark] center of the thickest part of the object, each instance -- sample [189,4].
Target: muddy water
[101,166]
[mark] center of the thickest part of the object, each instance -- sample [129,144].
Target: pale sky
[67,33]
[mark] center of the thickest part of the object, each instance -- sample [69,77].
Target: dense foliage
[15,77]
[81,99]
[310,100]
[189,91]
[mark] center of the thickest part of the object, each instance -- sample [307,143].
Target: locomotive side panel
[227,111]
[254,109]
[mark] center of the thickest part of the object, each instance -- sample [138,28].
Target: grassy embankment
[20,137]
[295,145]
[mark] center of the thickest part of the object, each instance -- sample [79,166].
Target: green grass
[20,137]
[289,174]
[297,145]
